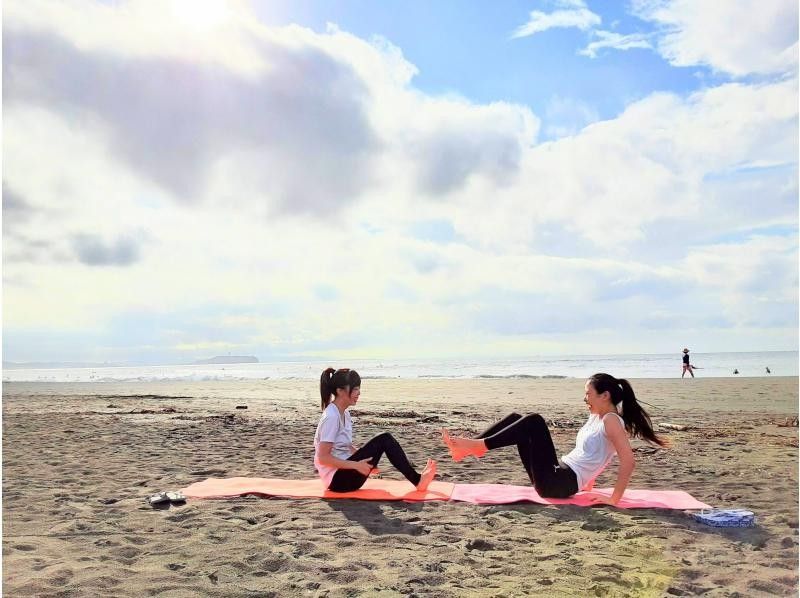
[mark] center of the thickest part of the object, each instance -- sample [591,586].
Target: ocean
[713,365]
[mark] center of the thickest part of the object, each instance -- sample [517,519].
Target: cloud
[94,251]
[617,182]
[469,141]
[15,210]
[298,135]
[752,37]
[573,14]
[616,41]
[755,281]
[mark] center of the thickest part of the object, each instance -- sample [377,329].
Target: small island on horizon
[226,359]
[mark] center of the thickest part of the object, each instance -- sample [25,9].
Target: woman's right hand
[364,467]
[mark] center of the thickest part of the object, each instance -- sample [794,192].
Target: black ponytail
[637,420]
[325,390]
[332,379]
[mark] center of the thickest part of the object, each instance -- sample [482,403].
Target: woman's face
[594,400]
[355,392]
[348,396]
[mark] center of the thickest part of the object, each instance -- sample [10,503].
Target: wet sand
[79,461]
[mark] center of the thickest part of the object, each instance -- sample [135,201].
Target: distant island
[227,359]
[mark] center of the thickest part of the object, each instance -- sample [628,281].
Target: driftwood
[789,422]
[669,426]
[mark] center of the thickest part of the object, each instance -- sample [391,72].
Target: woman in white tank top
[615,415]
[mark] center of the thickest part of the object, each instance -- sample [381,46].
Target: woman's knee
[385,437]
[534,421]
[534,417]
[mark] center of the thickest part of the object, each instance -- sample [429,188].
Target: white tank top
[593,450]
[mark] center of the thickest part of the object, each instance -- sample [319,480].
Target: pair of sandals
[166,497]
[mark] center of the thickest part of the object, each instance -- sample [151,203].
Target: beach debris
[140,397]
[479,544]
[564,423]
[241,406]
[131,412]
[645,450]
[175,566]
[671,426]
[789,422]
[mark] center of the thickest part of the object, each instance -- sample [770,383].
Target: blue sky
[397,179]
[466,48]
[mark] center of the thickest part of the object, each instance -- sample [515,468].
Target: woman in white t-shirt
[614,416]
[343,467]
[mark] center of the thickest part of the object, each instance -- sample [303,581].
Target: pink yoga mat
[373,489]
[496,494]
[481,494]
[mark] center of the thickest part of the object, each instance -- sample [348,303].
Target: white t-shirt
[337,428]
[593,450]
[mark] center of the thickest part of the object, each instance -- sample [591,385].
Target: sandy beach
[79,461]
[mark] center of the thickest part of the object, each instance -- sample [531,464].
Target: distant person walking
[768,370]
[687,367]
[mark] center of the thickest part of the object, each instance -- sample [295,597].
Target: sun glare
[201,15]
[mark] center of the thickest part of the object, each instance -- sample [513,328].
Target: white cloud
[615,179]
[739,38]
[754,282]
[616,41]
[573,14]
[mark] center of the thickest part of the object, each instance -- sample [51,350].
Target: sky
[331,180]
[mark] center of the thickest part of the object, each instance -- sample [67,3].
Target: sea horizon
[633,365]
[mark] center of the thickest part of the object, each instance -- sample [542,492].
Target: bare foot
[427,476]
[456,453]
[463,447]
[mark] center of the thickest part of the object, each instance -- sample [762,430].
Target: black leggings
[347,480]
[551,478]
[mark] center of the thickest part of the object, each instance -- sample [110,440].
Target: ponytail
[637,420]
[332,379]
[325,390]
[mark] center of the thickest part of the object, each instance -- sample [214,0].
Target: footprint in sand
[175,566]
[136,540]
[181,517]
[126,555]
[24,547]
[343,577]
[38,565]
[58,578]
[768,586]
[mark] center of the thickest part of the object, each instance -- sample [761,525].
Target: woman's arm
[619,438]
[325,458]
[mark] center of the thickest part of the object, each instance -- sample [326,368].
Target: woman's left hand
[601,499]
